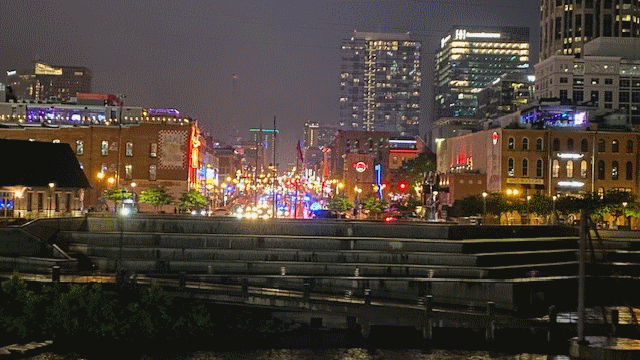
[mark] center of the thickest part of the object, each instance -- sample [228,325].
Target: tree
[192,200]
[415,169]
[374,205]
[156,196]
[469,206]
[116,195]
[340,203]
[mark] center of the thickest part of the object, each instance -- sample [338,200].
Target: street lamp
[553,208]
[51,189]
[484,202]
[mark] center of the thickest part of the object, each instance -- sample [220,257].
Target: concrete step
[227,241]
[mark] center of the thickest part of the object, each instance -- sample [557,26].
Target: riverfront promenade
[325,271]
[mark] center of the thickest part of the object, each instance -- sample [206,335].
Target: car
[325,214]
[220,212]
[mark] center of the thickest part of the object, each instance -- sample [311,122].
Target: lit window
[614,170]
[555,168]
[105,147]
[79,147]
[511,143]
[570,169]
[539,165]
[129,149]
[153,150]
[510,171]
[583,169]
[152,172]
[128,171]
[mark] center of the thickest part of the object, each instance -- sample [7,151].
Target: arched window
[614,170]
[511,143]
[556,168]
[556,144]
[601,192]
[583,169]
[601,146]
[525,167]
[570,168]
[629,170]
[584,146]
[629,146]
[525,143]
[600,170]
[539,144]
[510,165]
[539,167]
[570,144]
[615,146]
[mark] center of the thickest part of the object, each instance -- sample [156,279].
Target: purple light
[164,111]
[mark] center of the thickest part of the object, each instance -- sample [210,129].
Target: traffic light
[402,185]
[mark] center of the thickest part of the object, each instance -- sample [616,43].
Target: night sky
[182,54]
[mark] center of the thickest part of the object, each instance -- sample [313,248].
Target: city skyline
[284,54]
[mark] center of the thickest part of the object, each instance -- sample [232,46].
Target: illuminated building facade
[311,133]
[470,59]
[555,160]
[153,147]
[607,76]
[565,26]
[45,82]
[380,82]
[506,95]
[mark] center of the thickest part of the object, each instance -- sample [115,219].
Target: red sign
[494,138]
[360,166]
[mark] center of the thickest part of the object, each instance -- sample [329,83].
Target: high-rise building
[470,59]
[311,133]
[607,76]
[380,83]
[505,95]
[565,26]
[45,82]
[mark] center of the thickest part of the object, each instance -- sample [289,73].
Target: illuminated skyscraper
[380,83]
[44,82]
[566,25]
[470,59]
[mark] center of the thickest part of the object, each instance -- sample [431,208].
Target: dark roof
[36,164]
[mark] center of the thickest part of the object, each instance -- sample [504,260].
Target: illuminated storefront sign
[495,137]
[44,69]
[360,166]
[525,181]
[572,184]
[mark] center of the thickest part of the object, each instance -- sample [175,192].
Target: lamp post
[133,194]
[528,202]
[484,202]
[553,208]
[624,215]
[51,190]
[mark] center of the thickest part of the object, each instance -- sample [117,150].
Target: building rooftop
[37,164]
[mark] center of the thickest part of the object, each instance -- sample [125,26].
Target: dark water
[334,354]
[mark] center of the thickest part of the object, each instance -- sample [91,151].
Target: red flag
[299,148]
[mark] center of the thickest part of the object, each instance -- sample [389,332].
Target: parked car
[325,214]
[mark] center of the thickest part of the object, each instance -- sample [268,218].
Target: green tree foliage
[415,169]
[156,196]
[469,206]
[340,203]
[192,200]
[374,205]
[116,194]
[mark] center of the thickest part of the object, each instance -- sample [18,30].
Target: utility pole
[275,167]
